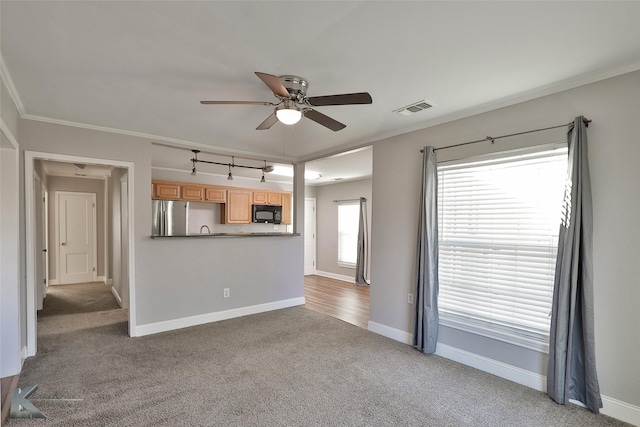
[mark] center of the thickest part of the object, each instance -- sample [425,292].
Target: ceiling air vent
[413,108]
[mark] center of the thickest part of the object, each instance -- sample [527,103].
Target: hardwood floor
[335,298]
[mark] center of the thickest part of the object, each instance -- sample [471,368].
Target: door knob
[64,244]
[44,250]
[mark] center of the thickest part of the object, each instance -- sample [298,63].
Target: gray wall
[327,221]
[12,319]
[80,185]
[180,277]
[614,156]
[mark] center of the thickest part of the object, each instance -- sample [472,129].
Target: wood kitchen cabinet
[166,190]
[215,194]
[237,210]
[286,209]
[192,192]
[267,198]
[235,203]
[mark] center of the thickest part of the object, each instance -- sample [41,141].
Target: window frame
[342,263]
[510,335]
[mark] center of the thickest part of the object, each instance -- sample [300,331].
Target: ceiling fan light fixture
[288,115]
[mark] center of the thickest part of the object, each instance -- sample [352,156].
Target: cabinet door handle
[64,244]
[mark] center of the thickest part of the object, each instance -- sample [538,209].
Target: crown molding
[7,132]
[171,142]
[11,88]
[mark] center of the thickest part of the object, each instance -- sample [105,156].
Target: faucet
[207,227]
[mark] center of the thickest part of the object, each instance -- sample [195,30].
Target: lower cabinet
[237,210]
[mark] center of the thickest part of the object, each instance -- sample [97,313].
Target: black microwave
[267,214]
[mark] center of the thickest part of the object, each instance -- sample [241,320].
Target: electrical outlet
[410,299]
[226,293]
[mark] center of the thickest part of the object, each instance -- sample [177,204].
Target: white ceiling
[143,67]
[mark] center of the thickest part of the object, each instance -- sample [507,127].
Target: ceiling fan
[294,103]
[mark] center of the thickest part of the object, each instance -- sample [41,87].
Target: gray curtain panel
[425,331]
[572,362]
[363,243]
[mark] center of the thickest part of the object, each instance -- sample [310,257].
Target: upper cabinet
[237,210]
[166,190]
[170,190]
[194,193]
[215,194]
[267,198]
[286,209]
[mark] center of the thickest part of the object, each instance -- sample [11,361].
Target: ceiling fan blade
[323,120]
[268,122]
[344,99]
[236,103]
[274,84]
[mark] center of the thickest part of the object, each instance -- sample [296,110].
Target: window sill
[531,343]
[346,265]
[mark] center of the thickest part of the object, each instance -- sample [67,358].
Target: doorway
[75,261]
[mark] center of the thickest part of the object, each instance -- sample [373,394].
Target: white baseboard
[102,279]
[23,356]
[611,407]
[620,410]
[336,276]
[117,296]
[170,325]
[53,281]
[500,369]
[109,282]
[389,332]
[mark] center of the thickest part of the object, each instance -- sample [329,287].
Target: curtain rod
[493,138]
[350,200]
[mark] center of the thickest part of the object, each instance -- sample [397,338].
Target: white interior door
[45,221]
[76,237]
[309,236]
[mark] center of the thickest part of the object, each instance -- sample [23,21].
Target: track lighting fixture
[265,169]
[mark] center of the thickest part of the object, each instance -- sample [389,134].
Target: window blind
[498,232]
[348,217]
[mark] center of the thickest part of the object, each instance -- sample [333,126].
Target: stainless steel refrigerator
[169,218]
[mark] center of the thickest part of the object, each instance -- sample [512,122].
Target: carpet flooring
[291,367]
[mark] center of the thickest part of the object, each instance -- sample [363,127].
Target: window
[498,233]
[348,223]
